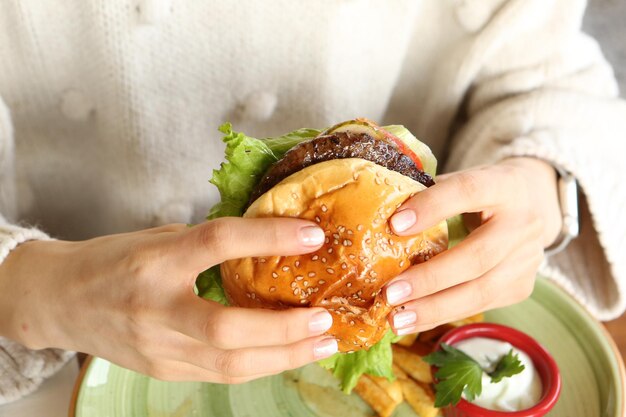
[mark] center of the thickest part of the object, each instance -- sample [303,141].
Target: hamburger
[349,179]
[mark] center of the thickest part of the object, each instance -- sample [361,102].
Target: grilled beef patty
[340,145]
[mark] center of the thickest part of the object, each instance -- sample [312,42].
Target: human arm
[543,90]
[129,298]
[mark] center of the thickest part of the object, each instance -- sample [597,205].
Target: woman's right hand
[130,298]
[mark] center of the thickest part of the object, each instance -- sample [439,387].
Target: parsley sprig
[458,373]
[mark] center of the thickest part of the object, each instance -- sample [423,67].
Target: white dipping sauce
[514,393]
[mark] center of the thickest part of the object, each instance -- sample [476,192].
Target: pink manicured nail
[311,236]
[325,348]
[406,330]
[404,319]
[397,291]
[403,220]
[320,322]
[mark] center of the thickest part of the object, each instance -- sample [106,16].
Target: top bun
[351,200]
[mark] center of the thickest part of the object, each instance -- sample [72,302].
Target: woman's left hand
[515,211]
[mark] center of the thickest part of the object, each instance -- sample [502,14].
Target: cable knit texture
[108,110]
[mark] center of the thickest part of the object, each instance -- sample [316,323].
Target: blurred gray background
[606,21]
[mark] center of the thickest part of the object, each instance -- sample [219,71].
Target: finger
[251,362]
[481,251]
[215,241]
[503,285]
[241,363]
[468,191]
[235,327]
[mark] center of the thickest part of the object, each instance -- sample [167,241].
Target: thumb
[226,238]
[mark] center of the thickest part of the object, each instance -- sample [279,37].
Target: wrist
[26,291]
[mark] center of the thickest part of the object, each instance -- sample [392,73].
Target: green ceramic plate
[593,384]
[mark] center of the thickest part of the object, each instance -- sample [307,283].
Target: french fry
[419,398]
[412,364]
[407,340]
[392,388]
[378,398]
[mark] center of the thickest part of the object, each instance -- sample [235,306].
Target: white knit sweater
[109,109]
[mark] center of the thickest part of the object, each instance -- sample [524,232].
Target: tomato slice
[363,125]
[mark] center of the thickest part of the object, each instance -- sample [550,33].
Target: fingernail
[320,322]
[406,330]
[312,236]
[325,348]
[403,220]
[397,291]
[404,319]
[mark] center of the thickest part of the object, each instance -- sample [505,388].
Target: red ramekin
[543,361]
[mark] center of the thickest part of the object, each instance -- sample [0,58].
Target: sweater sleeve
[538,86]
[21,370]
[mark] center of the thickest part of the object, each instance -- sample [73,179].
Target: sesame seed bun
[352,200]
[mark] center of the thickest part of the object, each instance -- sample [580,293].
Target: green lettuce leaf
[209,285]
[348,367]
[247,158]
[422,151]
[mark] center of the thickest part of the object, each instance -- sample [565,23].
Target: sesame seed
[391,242]
[361,330]
[352,256]
[294,195]
[359,227]
[299,278]
[378,181]
[315,258]
[302,301]
[386,181]
[351,322]
[248,294]
[330,250]
[407,250]
[349,284]
[341,229]
[272,289]
[355,176]
[367,280]
[262,260]
[236,276]
[293,284]
[336,235]
[296,291]
[361,257]
[253,296]
[274,275]
[285,268]
[317,219]
[350,232]
[324,208]
[401,263]
[344,265]
[311,274]
[330,270]
[297,264]
[327,240]
[368,241]
[306,283]
[373,274]
[368,266]
[323,260]
[321,282]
